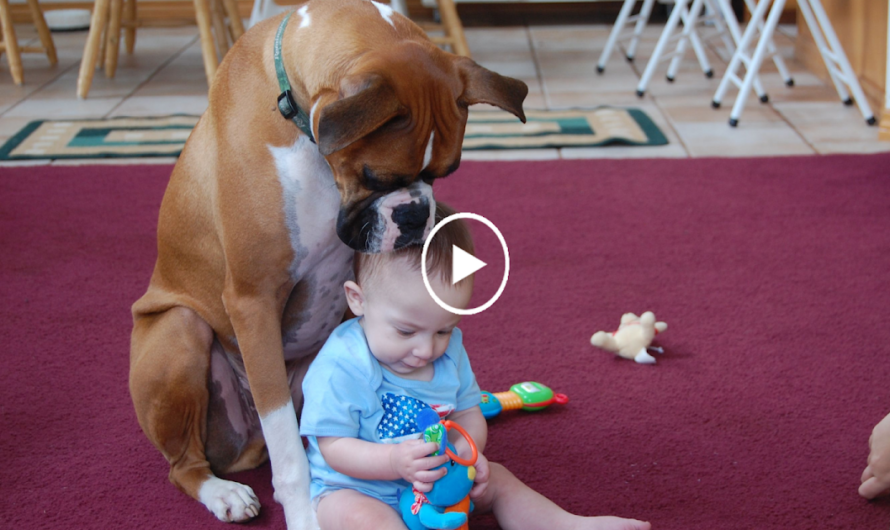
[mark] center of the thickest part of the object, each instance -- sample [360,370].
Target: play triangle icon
[463,264]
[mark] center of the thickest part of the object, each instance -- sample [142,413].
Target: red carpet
[772,274]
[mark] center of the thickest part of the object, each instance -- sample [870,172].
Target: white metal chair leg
[682,12]
[690,19]
[753,63]
[669,28]
[834,57]
[625,18]
[821,46]
[617,28]
[740,54]
[724,8]
[780,63]
[771,47]
[721,20]
[759,53]
[699,49]
[645,13]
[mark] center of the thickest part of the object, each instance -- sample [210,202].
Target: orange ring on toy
[475,453]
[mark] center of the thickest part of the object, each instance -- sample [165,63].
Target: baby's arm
[474,423]
[363,460]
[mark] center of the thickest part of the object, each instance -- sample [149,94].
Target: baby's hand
[482,474]
[412,461]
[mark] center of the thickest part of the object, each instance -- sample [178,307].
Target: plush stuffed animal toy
[632,338]
[446,506]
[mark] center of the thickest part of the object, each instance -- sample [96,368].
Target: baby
[402,354]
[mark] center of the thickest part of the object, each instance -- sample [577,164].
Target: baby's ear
[355,298]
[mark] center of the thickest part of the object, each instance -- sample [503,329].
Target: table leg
[234,18]
[208,50]
[43,30]
[91,49]
[114,38]
[130,32]
[12,46]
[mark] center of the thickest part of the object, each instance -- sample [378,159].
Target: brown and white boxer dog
[259,223]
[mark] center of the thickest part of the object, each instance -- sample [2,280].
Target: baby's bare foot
[610,523]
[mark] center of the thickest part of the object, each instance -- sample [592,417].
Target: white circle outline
[426,280]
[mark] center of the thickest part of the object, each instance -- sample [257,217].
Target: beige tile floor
[165,75]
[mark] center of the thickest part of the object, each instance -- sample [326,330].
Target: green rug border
[26,131]
[650,129]
[17,139]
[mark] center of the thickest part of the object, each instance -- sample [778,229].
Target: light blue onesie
[346,393]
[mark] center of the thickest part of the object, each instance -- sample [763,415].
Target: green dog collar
[286,103]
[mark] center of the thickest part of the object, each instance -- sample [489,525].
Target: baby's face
[405,328]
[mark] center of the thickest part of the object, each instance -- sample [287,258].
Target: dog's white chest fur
[322,262]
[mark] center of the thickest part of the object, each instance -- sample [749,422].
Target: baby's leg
[518,507]
[350,510]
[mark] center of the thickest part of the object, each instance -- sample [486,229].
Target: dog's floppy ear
[484,86]
[365,103]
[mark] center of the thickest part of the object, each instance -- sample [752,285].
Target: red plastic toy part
[475,453]
[559,399]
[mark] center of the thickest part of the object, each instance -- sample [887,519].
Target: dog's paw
[229,501]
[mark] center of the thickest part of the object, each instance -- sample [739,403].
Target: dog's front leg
[257,322]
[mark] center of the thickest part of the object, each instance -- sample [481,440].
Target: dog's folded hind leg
[169,367]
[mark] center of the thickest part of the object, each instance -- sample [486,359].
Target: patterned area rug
[165,136]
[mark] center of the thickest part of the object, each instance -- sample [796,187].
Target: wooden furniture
[10,45]
[451,26]
[111,16]
[884,133]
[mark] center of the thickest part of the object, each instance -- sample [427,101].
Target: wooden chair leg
[453,27]
[130,32]
[43,30]
[103,42]
[113,38]
[234,19]
[208,51]
[11,44]
[91,48]
[220,34]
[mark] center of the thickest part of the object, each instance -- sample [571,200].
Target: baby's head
[406,329]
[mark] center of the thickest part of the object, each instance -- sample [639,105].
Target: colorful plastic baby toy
[530,396]
[447,505]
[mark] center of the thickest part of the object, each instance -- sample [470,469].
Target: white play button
[463,264]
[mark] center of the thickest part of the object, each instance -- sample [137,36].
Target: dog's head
[395,124]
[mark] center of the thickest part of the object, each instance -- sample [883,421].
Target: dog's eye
[398,121]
